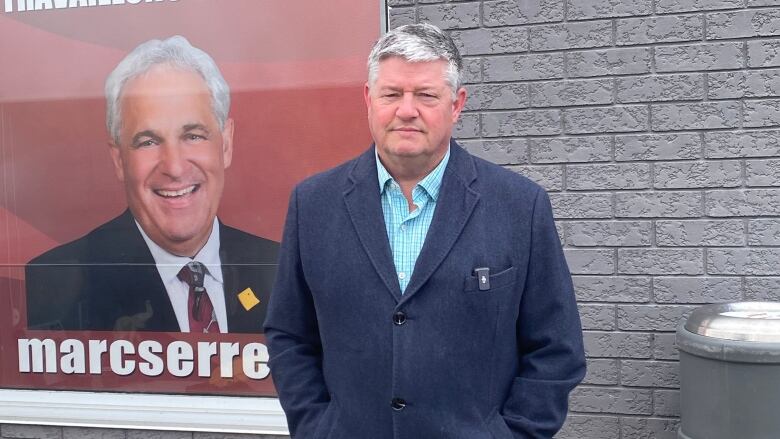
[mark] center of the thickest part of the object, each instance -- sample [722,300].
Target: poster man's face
[172,157]
[411,110]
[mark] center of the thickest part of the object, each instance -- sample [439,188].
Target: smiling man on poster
[422,292]
[167,263]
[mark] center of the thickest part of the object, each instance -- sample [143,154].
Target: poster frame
[149,411]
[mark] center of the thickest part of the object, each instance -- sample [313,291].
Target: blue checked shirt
[406,230]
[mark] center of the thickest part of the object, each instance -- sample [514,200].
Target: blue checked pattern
[406,230]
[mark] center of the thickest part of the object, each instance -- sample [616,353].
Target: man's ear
[367,96]
[116,158]
[458,103]
[227,142]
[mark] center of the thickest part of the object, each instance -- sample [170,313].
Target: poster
[295,72]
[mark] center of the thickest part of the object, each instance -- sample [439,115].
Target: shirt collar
[169,264]
[431,183]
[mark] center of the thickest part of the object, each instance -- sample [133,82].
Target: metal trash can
[730,372]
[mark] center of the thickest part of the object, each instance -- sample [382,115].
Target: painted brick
[763,53]
[696,289]
[626,61]
[393,3]
[705,56]
[590,261]
[472,70]
[665,29]
[147,434]
[639,373]
[586,9]
[651,317]
[763,113]
[764,232]
[649,428]
[490,41]
[612,288]
[451,16]
[17,431]
[606,120]
[467,126]
[740,24]
[497,96]
[617,344]
[502,152]
[401,16]
[666,403]
[744,261]
[599,176]
[762,288]
[578,92]
[582,205]
[92,433]
[521,123]
[744,84]
[705,233]
[511,12]
[605,400]
[549,177]
[589,34]
[611,233]
[524,67]
[670,6]
[590,427]
[682,175]
[760,143]
[748,202]
[210,435]
[598,317]
[702,115]
[658,147]
[665,346]
[660,88]
[571,149]
[658,204]
[603,372]
[660,261]
[758,3]
[762,172]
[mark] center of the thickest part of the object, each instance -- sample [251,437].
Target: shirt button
[399,318]
[403,227]
[402,275]
[397,404]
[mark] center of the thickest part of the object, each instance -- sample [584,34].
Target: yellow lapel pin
[248,299]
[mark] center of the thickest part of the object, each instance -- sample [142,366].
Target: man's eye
[145,143]
[194,137]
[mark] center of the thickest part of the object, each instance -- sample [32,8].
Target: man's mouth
[165,193]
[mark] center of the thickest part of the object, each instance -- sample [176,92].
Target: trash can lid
[743,321]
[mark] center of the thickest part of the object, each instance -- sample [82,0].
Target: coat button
[398,404]
[399,318]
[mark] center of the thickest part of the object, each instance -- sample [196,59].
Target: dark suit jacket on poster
[353,358]
[107,280]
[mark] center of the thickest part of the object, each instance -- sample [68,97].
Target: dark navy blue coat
[352,358]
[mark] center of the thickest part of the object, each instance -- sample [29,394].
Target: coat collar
[453,209]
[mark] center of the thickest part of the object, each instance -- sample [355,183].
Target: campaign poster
[92,221]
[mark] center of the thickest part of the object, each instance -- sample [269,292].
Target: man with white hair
[167,263]
[421,292]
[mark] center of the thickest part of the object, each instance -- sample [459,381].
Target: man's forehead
[165,80]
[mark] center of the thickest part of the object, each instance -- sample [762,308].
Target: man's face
[411,111]
[172,157]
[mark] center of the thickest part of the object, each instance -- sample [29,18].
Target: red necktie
[201,311]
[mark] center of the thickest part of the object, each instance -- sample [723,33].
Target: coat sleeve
[549,334]
[293,337]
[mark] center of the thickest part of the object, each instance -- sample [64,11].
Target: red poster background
[296,71]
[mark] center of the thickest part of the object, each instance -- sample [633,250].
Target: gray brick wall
[655,126]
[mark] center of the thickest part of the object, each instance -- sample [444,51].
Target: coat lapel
[364,207]
[453,209]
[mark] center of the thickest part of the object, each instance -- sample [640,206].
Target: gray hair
[417,43]
[175,51]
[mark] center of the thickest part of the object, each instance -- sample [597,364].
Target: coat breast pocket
[502,279]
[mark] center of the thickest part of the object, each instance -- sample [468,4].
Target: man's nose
[172,159]
[407,107]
